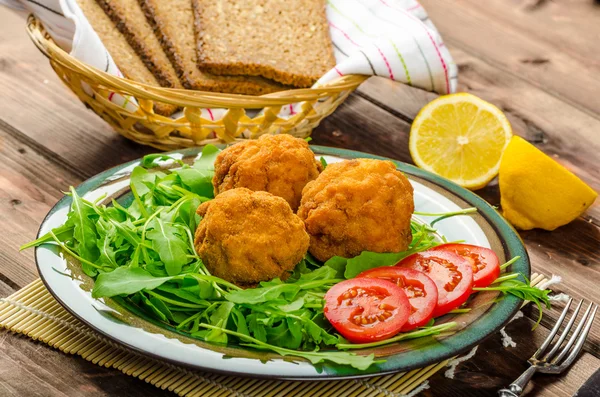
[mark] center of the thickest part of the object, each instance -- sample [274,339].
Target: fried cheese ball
[279,164]
[246,237]
[357,205]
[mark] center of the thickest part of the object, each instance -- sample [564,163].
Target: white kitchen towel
[390,38]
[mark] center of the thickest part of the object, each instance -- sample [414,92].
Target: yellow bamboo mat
[33,312]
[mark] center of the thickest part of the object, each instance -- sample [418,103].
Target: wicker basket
[190,129]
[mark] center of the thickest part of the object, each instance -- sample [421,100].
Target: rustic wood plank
[30,184]
[45,114]
[571,27]
[483,35]
[5,289]
[35,369]
[360,125]
[495,366]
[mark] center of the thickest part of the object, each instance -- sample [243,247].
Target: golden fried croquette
[279,164]
[357,205]
[246,237]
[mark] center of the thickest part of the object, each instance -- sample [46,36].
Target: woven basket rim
[175,96]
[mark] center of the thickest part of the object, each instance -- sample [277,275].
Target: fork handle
[516,388]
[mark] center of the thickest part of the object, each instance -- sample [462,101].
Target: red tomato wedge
[451,273]
[485,264]
[366,310]
[421,292]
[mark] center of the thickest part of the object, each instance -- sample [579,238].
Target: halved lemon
[538,192]
[460,137]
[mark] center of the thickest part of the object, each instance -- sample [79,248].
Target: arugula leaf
[323,162]
[194,294]
[323,273]
[239,320]
[365,261]
[286,307]
[184,294]
[207,160]
[418,333]
[141,179]
[125,281]
[159,305]
[107,233]
[63,233]
[219,318]
[199,177]
[84,232]
[315,357]
[171,247]
[339,264]
[318,334]
[261,294]
[151,160]
[198,181]
[127,230]
[287,334]
[256,325]
[522,290]
[185,213]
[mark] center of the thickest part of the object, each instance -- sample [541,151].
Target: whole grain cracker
[122,53]
[173,23]
[284,40]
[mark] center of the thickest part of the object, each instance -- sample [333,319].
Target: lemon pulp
[460,137]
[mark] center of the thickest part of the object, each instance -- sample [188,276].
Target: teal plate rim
[464,340]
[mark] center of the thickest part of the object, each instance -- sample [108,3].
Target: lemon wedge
[536,191]
[460,137]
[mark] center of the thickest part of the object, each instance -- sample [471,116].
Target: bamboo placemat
[32,311]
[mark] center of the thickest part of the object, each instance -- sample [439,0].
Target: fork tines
[559,357]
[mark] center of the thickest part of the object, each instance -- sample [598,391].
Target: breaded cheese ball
[357,205]
[246,237]
[279,164]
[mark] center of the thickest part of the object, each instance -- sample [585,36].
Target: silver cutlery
[554,360]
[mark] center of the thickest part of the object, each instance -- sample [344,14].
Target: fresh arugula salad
[143,253]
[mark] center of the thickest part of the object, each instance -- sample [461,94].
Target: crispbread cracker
[124,56]
[129,18]
[173,22]
[284,40]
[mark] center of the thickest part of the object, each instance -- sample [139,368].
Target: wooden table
[538,60]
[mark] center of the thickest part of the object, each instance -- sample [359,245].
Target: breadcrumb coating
[357,205]
[247,237]
[279,164]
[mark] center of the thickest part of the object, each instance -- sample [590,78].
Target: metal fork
[545,359]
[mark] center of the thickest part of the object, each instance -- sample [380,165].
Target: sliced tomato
[366,309]
[421,292]
[485,263]
[451,273]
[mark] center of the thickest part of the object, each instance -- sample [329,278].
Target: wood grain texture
[495,366]
[536,60]
[29,186]
[44,113]
[28,368]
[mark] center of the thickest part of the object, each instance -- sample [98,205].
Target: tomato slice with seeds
[451,273]
[485,263]
[366,310]
[421,292]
